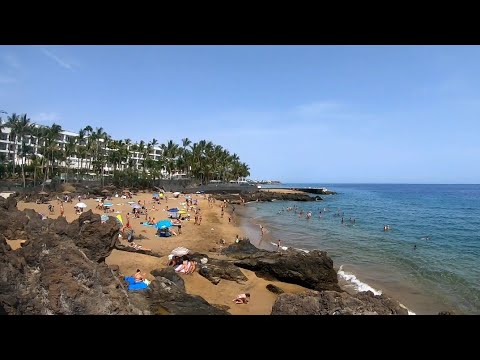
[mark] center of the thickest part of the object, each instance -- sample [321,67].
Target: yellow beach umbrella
[119,217]
[182,212]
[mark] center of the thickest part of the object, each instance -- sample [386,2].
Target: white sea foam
[358,285]
[409,312]
[305,251]
[285,248]
[361,286]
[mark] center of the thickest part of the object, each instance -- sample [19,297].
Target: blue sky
[396,114]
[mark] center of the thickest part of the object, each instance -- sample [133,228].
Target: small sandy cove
[198,238]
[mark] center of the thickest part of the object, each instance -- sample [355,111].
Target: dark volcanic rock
[170,274]
[50,274]
[95,239]
[264,196]
[335,303]
[215,270]
[313,270]
[445,313]
[274,289]
[243,249]
[166,298]
[119,246]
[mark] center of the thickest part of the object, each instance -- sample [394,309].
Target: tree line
[133,163]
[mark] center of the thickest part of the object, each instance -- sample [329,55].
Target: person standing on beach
[62,210]
[279,245]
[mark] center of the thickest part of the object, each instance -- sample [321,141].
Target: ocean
[429,260]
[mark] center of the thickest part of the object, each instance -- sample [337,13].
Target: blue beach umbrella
[163,224]
[173,210]
[155,195]
[108,204]
[136,206]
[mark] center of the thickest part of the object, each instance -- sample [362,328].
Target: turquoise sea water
[441,273]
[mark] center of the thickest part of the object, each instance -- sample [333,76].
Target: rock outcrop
[60,269]
[336,303]
[264,196]
[313,270]
[215,270]
[170,274]
[274,289]
[166,298]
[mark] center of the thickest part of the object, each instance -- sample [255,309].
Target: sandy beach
[198,238]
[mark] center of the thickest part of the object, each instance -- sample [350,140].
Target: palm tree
[70,150]
[185,142]
[23,128]
[54,134]
[3,160]
[12,122]
[105,137]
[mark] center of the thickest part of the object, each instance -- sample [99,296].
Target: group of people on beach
[182,264]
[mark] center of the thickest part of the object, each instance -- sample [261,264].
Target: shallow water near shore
[429,260]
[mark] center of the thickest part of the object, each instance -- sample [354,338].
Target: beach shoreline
[351,282]
[214,234]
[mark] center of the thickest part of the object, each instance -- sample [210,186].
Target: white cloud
[45,117]
[57,59]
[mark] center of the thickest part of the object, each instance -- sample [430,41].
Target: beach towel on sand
[132,285]
[150,225]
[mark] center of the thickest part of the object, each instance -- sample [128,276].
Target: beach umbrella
[119,219]
[173,210]
[136,206]
[181,212]
[66,192]
[105,191]
[180,251]
[42,193]
[163,224]
[108,204]
[81,205]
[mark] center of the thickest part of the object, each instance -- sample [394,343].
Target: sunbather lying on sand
[242,298]
[187,267]
[139,277]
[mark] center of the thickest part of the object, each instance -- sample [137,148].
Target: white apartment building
[7,147]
